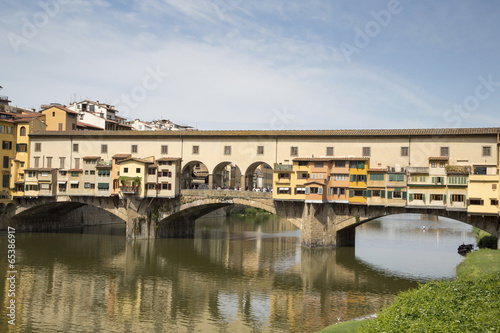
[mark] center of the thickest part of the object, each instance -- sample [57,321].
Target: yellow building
[289,180]
[358,174]
[482,192]
[8,139]
[25,125]
[133,176]
[60,118]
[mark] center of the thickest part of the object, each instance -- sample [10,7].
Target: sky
[266,65]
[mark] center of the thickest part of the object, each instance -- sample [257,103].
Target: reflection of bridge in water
[194,277]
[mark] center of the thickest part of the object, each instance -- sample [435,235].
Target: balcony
[283,167]
[418,170]
[104,163]
[129,189]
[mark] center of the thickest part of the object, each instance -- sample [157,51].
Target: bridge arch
[194,174]
[227,175]
[49,214]
[259,175]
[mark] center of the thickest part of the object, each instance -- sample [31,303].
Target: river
[238,274]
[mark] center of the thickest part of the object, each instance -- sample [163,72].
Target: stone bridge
[321,224]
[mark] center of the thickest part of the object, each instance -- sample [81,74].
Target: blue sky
[234,64]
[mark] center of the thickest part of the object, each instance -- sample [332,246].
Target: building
[8,140]
[59,118]
[99,115]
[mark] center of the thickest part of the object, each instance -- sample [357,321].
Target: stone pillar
[210,181]
[139,226]
[243,182]
[318,227]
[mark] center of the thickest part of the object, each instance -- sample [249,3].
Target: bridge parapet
[227,194]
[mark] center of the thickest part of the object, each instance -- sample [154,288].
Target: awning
[284,188]
[62,182]
[103,186]
[74,182]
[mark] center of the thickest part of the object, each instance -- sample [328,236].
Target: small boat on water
[464,248]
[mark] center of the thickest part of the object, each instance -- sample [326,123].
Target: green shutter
[389,194]
[423,198]
[411,196]
[27,187]
[434,180]
[404,195]
[36,187]
[364,193]
[382,194]
[352,178]
[444,198]
[18,145]
[369,193]
[351,193]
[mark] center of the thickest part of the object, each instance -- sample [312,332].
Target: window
[476,202]
[493,186]
[316,190]
[22,131]
[404,151]
[437,180]
[318,164]
[457,180]
[339,177]
[302,175]
[396,177]
[164,149]
[358,178]
[340,164]
[486,150]
[479,170]
[62,161]
[77,163]
[300,190]
[38,146]
[125,170]
[442,165]
[294,151]
[436,197]
[75,174]
[329,151]
[53,114]
[445,151]
[227,150]
[86,172]
[36,161]
[2,129]
[377,176]
[75,147]
[366,151]
[92,172]
[356,164]
[133,149]
[22,147]
[376,193]
[166,186]
[104,149]
[10,130]
[303,163]
[137,170]
[49,162]
[260,150]
[151,171]
[494,202]
[457,198]
[196,149]
[397,195]
[74,185]
[358,193]
[45,186]
[418,196]
[63,173]
[6,145]
[6,161]
[434,165]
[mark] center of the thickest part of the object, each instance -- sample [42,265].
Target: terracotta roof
[75,170]
[91,157]
[439,158]
[437,132]
[168,159]
[312,159]
[138,160]
[39,169]
[377,170]
[60,107]
[82,124]
[121,156]
[30,115]
[318,182]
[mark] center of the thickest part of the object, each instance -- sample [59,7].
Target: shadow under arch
[226,175]
[259,175]
[194,174]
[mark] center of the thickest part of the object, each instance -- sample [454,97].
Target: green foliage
[485,240]
[123,179]
[345,327]
[137,181]
[464,305]
[479,263]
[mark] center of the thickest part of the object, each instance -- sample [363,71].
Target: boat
[465,248]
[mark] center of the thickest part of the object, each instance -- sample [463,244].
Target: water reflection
[236,275]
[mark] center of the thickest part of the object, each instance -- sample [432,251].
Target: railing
[128,189]
[104,163]
[418,170]
[283,167]
[227,194]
